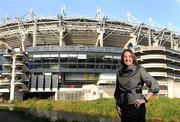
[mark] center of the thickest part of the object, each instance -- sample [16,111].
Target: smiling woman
[130,102]
[129,58]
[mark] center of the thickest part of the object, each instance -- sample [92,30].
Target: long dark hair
[135,62]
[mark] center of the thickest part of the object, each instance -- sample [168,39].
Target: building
[74,58]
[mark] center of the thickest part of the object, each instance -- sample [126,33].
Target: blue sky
[161,11]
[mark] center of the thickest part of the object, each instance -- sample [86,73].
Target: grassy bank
[101,107]
[163,108]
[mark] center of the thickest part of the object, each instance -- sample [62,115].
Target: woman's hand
[119,110]
[138,102]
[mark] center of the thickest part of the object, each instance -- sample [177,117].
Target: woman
[130,102]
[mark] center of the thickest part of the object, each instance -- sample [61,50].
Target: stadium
[76,58]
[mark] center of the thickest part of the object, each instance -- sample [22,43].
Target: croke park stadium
[76,58]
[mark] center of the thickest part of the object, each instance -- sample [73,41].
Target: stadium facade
[76,58]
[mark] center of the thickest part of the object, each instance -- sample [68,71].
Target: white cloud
[177,1]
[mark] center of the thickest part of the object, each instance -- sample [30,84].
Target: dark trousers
[132,114]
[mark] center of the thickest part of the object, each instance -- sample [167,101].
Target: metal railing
[75,48]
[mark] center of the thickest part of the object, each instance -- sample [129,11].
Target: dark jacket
[130,82]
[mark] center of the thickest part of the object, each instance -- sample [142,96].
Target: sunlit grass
[163,108]
[101,107]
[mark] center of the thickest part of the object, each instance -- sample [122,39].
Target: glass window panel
[117,57]
[91,66]
[46,55]
[46,66]
[115,61]
[38,60]
[72,65]
[36,55]
[108,60]
[64,59]
[107,56]
[73,59]
[114,67]
[99,58]
[82,56]
[63,55]
[72,55]
[54,55]
[81,60]
[37,66]
[54,60]
[54,66]
[64,66]
[107,66]
[46,60]
[81,66]
[99,66]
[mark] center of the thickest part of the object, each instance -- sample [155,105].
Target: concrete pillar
[56,96]
[149,39]
[12,79]
[61,30]
[23,32]
[18,95]
[170,88]
[155,42]
[99,41]
[101,38]
[172,41]
[176,45]
[101,31]
[35,33]
[177,88]
[22,41]
[61,36]
[131,42]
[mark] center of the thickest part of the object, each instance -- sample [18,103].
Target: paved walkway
[10,117]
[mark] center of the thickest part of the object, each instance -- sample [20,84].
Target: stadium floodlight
[98,13]
[63,8]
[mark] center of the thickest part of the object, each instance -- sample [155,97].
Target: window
[101,95]
[94,93]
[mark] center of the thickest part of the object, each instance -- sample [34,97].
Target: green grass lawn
[163,108]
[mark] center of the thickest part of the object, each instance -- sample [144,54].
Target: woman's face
[128,60]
